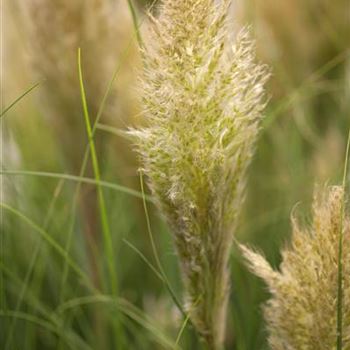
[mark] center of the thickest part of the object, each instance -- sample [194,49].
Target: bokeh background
[64,285]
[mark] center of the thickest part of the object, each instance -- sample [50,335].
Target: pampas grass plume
[302,312]
[203,97]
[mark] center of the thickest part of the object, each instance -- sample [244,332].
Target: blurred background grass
[55,279]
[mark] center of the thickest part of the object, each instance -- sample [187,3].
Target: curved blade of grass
[144,320]
[69,239]
[182,329]
[127,308]
[32,264]
[50,241]
[299,91]
[44,324]
[12,104]
[32,301]
[46,313]
[30,318]
[157,259]
[102,205]
[77,178]
[70,233]
[185,322]
[22,293]
[158,274]
[340,256]
[80,179]
[155,252]
[87,149]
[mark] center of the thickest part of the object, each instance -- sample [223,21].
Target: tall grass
[49,297]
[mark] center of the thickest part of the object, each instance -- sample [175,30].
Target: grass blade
[182,329]
[102,205]
[50,241]
[155,252]
[6,109]
[32,264]
[44,324]
[126,308]
[134,20]
[148,263]
[76,178]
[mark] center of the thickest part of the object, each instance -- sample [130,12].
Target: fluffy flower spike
[203,98]
[302,313]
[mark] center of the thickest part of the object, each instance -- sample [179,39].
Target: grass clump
[203,97]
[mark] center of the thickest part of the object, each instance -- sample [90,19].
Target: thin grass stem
[32,264]
[119,336]
[155,252]
[134,20]
[79,178]
[12,104]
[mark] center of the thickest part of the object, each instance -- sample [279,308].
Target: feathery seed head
[302,313]
[203,97]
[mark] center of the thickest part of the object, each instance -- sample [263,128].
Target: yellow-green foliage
[203,98]
[302,313]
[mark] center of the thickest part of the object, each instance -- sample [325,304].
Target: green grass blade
[127,308]
[70,234]
[31,266]
[299,92]
[15,314]
[46,325]
[102,205]
[76,178]
[17,283]
[12,104]
[50,241]
[148,263]
[87,151]
[48,315]
[182,329]
[155,252]
[134,20]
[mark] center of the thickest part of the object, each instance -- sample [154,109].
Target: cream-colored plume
[302,312]
[203,97]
